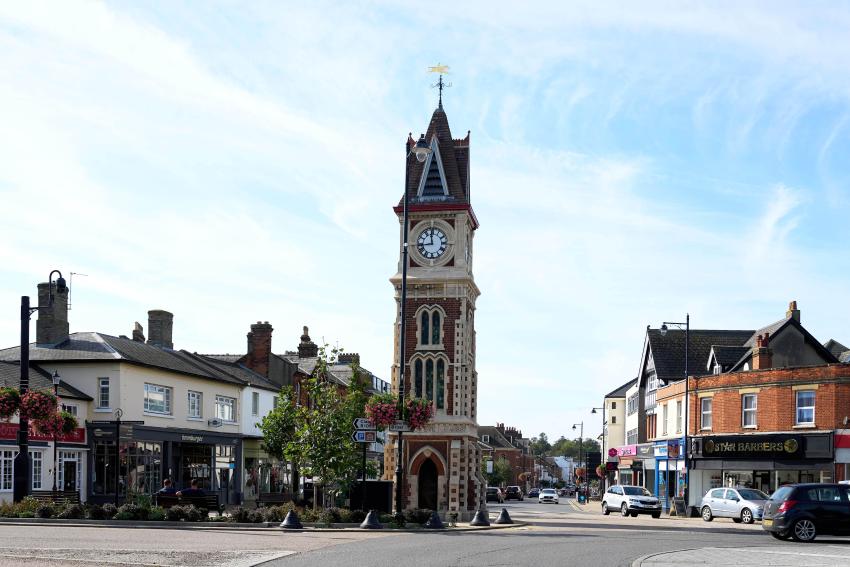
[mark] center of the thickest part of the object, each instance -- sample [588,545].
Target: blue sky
[238,162]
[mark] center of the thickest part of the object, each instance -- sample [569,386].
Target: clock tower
[441,462]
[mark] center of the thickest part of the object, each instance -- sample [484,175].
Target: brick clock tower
[442,461]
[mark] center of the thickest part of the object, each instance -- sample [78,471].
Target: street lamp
[22,482]
[580,450]
[421,150]
[687,326]
[55,462]
[602,455]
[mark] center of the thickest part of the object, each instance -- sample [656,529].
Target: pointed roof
[836,348]
[454,155]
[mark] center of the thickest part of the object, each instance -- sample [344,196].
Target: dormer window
[433,185]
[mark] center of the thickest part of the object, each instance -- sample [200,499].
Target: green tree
[540,445]
[502,472]
[280,430]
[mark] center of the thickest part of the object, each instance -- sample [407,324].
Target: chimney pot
[793,312]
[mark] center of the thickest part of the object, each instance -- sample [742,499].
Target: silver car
[741,504]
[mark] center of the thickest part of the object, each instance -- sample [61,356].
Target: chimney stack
[138,333]
[52,325]
[259,348]
[349,358]
[160,325]
[762,354]
[793,312]
[307,348]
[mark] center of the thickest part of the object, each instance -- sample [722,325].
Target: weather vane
[442,70]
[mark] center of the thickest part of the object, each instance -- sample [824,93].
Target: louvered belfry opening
[433,182]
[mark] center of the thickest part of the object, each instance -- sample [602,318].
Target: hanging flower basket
[382,410]
[69,422]
[38,405]
[50,426]
[601,471]
[419,413]
[10,401]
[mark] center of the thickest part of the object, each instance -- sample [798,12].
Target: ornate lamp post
[687,327]
[421,150]
[22,481]
[55,461]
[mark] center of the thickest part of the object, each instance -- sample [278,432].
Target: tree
[540,445]
[280,429]
[502,472]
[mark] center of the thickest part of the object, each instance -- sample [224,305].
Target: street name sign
[363,424]
[399,425]
[364,436]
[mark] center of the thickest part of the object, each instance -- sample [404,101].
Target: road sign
[399,425]
[363,424]
[364,436]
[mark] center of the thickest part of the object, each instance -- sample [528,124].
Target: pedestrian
[193,489]
[167,487]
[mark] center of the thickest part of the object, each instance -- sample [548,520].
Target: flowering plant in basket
[419,412]
[38,405]
[10,401]
[382,410]
[51,425]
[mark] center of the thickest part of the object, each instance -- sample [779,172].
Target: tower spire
[440,84]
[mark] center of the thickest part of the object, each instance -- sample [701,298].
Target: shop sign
[627,451]
[192,438]
[10,431]
[661,450]
[644,451]
[750,446]
[610,466]
[612,452]
[673,449]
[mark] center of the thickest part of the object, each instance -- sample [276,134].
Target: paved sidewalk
[790,555]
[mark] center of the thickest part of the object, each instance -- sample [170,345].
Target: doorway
[428,486]
[69,475]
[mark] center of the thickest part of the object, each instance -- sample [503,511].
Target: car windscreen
[752,494]
[636,491]
[548,491]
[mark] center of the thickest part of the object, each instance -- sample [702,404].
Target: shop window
[805,407]
[157,399]
[705,413]
[104,460]
[749,406]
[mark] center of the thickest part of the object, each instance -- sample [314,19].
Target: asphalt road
[566,534]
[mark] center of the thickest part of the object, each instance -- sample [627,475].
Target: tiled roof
[668,351]
[40,379]
[454,154]
[79,346]
[236,371]
[844,357]
[772,329]
[621,391]
[835,348]
[497,440]
[728,355]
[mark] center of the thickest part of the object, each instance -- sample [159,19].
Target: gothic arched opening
[428,486]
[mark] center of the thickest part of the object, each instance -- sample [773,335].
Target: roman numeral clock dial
[432,243]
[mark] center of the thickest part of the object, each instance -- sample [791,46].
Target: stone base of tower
[442,469]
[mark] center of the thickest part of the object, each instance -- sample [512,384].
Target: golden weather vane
[442,70]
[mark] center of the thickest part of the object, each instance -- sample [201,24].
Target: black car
[513,493]
[494,494]
[534,493]
[804,511]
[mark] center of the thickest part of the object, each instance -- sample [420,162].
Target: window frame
[255,404]
[199,399]
[168,396]
[798,407]
[703,413]
[219,398]
[73,409]
[679,408]
[103,388]
[749,412]
[664,418]
[36,463]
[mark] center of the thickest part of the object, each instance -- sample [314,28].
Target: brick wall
[776,398]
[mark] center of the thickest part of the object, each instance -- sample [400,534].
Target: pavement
[565,534]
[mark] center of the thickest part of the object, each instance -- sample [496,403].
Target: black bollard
[371,522]
[480,519]
[434,522]
[291,521]
[504,517]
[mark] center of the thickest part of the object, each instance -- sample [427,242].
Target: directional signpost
[399,425]
[363,424]
[364,436]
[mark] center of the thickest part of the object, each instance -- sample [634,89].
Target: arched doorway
[428,485]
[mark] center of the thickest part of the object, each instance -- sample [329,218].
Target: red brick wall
[776,398]
[514,458]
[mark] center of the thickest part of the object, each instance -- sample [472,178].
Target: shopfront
[762,461]
[671,474]
[262,473]
[635,465]
[144,456]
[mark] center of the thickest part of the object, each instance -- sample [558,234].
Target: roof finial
[441,69]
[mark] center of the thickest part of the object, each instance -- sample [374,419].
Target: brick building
[507,444]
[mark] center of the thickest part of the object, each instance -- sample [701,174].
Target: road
[566,534]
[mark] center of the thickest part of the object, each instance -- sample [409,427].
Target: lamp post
[22,482]
[603,448]
[55,462]
[421,150]
[687,326]
[580,450]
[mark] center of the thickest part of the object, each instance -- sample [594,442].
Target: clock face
[432,243]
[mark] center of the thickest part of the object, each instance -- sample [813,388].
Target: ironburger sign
[750,446]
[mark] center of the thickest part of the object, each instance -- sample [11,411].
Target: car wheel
[747,516]
[624,510]
[706,514]
[633,514]
[804,530]
[780,535]
[656,515]
[736,520]
[605,510]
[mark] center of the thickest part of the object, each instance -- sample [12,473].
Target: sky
[234,162]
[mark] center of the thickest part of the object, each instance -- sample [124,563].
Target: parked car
[513,493]
[533,493]
[741,504]
[494,494]
[630,501]
[548,495]
[804,511]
